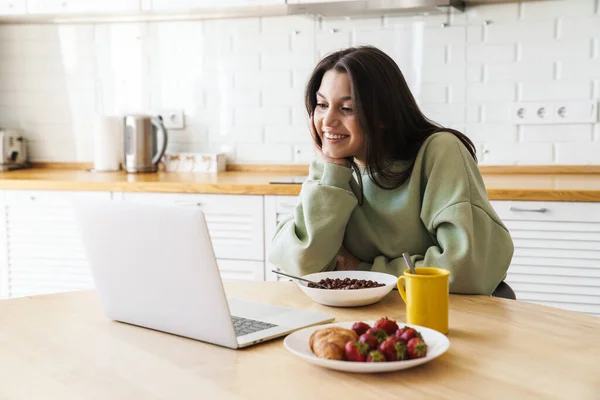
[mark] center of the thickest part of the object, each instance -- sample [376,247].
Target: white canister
[108,139]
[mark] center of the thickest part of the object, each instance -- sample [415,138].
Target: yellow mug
[426,297]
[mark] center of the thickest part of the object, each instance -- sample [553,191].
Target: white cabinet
[276,209]
[3,250]
[235,224]
[12,7]
[313,1]
[178,5]
[41,248]
[45,7]
[556,260]
[36,9]
[241,270]
[557,253]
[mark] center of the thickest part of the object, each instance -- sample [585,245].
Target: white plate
[297,343]
[349,298]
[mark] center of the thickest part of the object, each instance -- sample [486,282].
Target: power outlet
[558,112]
[172,118]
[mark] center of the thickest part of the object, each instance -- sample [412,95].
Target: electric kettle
[140,133]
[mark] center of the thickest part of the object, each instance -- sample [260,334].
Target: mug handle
[401,288]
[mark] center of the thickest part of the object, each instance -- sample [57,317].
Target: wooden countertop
[500,186]
[62,347]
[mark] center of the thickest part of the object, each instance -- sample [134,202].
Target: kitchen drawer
[4,290]
[44,252]
[548,251]
[81,6]
[48,197]
[556,261]
[36,275]
[235,222]
[178,5]
[591,309]
[547,211]
[173,5]
[555,267]
[285,205]
[557,282]
[241,270]
[276,209]
[555,244]
[575,288]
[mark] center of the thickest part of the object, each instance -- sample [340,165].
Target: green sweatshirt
[441,215]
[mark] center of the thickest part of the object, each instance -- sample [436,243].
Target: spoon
[409,263]
[300,279]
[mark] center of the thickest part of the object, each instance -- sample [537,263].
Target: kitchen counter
[500,186]
[61,346]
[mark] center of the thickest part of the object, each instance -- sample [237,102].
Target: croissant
[330,342]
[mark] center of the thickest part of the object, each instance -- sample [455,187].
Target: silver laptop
[154,267]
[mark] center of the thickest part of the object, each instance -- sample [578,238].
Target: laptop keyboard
[244,326]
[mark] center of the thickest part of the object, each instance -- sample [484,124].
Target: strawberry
[388,325]
[379,334]
[393,349]
[356,351]
[360,328]
[370,340]
[376,356]
[400,331]
[416,348]
[406,333]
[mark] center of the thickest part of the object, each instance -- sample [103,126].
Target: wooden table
[62,347]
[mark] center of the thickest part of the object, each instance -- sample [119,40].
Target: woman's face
[335,120]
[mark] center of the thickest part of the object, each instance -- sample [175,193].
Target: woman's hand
[346,261]
[319,152]
[339,161]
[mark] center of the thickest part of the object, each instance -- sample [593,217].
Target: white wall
[241,81]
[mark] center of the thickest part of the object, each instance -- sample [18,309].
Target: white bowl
[352,297]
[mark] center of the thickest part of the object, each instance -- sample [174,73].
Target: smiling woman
[416,186]
[336,125]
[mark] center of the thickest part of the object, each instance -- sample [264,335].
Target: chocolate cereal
[346,284]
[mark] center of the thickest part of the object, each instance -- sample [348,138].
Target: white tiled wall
[241,81]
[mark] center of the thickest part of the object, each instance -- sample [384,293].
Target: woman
[417,187]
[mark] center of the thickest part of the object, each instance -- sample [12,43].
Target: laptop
[154,267]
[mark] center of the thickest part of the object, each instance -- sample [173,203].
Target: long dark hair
[393,126]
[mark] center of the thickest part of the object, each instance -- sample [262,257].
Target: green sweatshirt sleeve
[470,239]
[475,248]
[471,245]
[309,239]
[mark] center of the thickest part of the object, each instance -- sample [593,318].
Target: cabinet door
[557,253]
[235,222]
[276,209]
[12,7]
[173,5]
[3,250]
[313,1]
[44,250]
[241,270]
[253,2]
[81,6]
